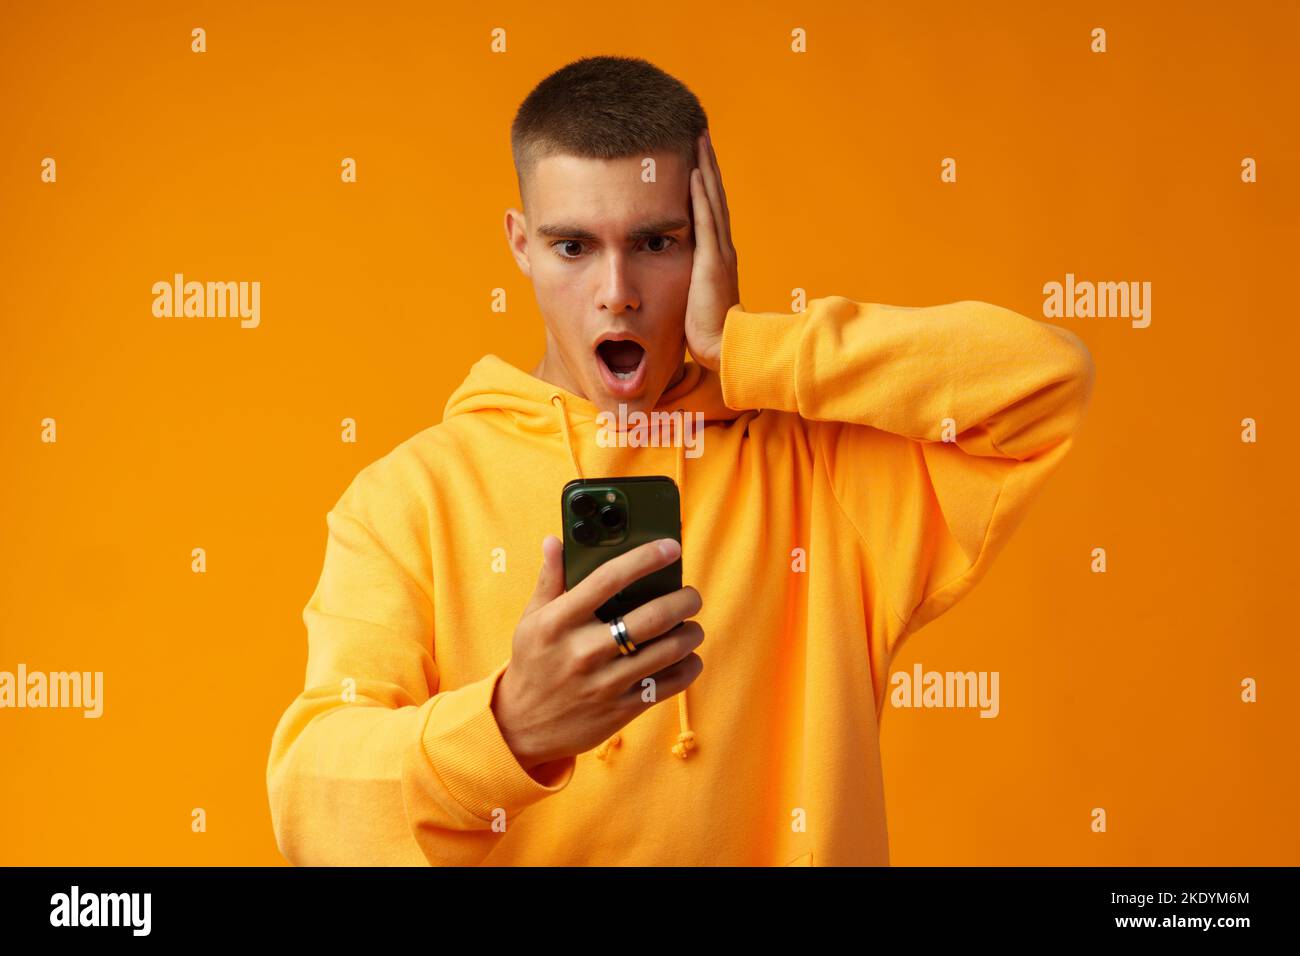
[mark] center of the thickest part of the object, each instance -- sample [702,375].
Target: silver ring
[619,630]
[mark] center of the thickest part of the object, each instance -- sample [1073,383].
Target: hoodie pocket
[805,860]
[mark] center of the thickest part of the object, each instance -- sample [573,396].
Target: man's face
[608,255]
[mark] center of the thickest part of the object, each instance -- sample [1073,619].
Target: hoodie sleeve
[372,764]
[879,389]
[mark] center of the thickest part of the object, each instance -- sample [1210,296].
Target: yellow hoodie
[825,521]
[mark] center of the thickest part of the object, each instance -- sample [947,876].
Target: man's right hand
[568,687]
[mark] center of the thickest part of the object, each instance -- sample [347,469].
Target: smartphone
[605,517]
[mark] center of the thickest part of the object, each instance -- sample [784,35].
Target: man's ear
[517,238]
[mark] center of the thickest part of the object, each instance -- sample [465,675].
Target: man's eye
[561,247]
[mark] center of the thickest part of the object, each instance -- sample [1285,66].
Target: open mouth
[623,359]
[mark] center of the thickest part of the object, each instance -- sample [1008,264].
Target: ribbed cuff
[760,353]
[470,756]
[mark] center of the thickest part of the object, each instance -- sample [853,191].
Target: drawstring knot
[685,744]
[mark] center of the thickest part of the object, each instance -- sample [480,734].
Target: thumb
[550,581]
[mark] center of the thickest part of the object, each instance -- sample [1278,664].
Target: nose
[618,291]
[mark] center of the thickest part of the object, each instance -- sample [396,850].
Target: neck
[545,370]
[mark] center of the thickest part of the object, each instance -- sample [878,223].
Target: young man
[862,465]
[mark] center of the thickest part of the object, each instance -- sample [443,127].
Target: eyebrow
[655,227]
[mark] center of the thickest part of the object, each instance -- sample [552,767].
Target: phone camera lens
[583,505]
[611,516]
[584,532]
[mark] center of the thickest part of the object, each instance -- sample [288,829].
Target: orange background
[1119,690]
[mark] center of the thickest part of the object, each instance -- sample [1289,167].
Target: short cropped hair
[605,107]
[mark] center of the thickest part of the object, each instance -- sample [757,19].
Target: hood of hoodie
[493,385]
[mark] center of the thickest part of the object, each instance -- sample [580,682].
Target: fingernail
[670,548]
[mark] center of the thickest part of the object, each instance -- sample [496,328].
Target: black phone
[606,517]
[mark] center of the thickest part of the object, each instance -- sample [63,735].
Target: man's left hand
[715,279]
